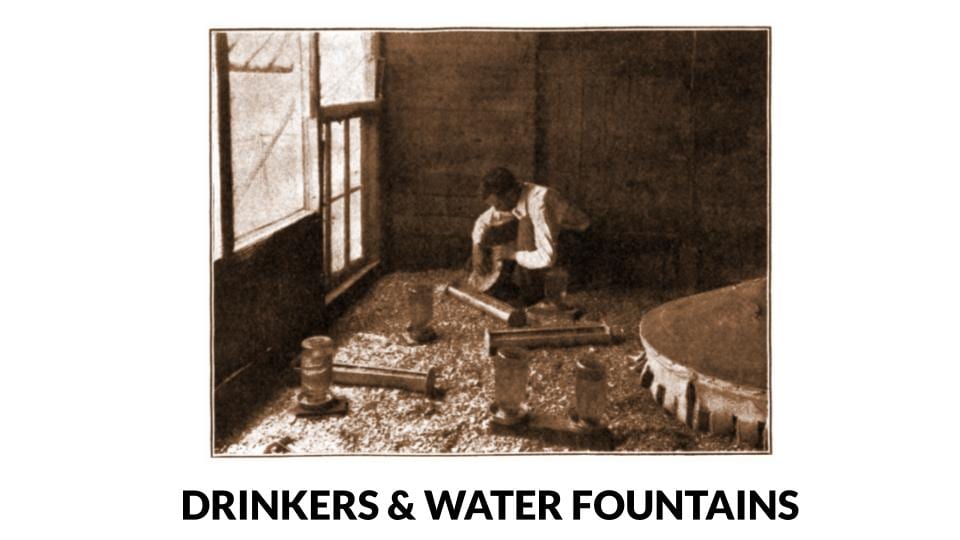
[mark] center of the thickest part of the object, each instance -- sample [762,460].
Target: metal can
[591,390]
[511,370]
[420,303]
[316,368]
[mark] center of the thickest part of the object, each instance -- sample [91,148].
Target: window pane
[355,152]
[347,67]
[266,128]
[336,159]
[312,165]
[356,226]
[336,236]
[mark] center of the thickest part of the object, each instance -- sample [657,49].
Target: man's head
[500,189]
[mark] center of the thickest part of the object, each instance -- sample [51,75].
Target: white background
[105,287]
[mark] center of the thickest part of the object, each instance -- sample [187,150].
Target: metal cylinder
[511,369]
[316,368]
[591,389]
[405,379]
[555,336]
[420,304]
[514,317]
[555,285]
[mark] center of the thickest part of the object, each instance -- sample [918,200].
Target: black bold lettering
[221,503]
[675,507]
[719,504]
[769,506]
[696,495]
[478,504]
[647,504]
[523,504]
[787,503]
[444,504]
[293,504]
[501,496]
[317,503]
[342,502]
[549,505]
[598,504]
[259,503]
[577,504]
[204,504]
[367,501]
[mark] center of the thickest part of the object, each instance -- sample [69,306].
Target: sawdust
[396,421]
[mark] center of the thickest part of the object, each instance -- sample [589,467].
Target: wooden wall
[457,104]
[266,299]
[730,149]
[661,138]
[615,135]
[659,135]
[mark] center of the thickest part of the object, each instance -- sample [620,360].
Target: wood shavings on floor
[397,421]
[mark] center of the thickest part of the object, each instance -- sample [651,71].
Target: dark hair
[499,181]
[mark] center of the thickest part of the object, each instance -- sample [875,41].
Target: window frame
[316,151]
[368,115]
[231,242]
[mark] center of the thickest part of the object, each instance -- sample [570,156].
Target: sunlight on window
[347,68]
[266,128]
[355,153]
[337,231]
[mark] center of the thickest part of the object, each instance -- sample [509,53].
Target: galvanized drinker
[591,392]
[420,311]
[511,369]
[554,308]
[316,376]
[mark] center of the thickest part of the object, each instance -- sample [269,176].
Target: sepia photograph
[441,270]
[468,241]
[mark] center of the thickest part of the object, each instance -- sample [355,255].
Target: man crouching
[518,235]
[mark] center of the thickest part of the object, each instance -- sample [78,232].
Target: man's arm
[544,233]
[491,232]
[481,225]
[480,257]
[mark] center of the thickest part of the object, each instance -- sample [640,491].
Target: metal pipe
[501,310]
[557,336]
[359,375]
[365,375]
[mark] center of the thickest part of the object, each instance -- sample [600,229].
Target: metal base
[551,312]
[282,446]
[504,418]
[584,426]
[305,407]
[560,429]
[419,337]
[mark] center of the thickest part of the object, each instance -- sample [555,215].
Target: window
[297,120]
[349,68]
[268,99]
[349,110]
